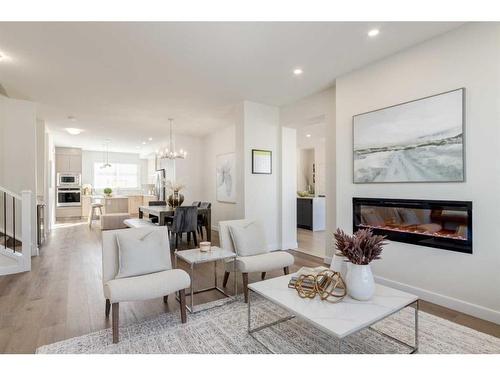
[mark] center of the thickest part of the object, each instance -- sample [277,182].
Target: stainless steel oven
[68,179]
[69,197]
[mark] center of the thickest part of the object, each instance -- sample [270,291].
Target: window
[119,175]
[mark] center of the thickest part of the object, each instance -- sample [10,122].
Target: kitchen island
[117,203]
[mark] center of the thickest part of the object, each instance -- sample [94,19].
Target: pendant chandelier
[170,152]
[106,160]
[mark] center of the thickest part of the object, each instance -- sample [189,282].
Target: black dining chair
[154,218]
[202,219]
[184,221]
[196,203]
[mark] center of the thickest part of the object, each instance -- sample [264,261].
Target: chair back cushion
[205,205]
[111,252]
[196,203]
[248,238]
[225,237]
[185,219]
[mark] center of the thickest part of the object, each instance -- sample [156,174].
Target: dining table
[163,212]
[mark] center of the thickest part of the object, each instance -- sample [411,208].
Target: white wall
[466,57]
[262,130]
[305,161]
[288,188]
[314,111]
[189,171]
[222,141]
[40,158]
[18,152]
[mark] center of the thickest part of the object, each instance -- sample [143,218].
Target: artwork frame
[442,152]
[262,161]
[225,177]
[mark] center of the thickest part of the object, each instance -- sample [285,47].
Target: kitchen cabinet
[68,160]
[133,204]
[75,163]
[148,198]
[65,212]
[86,202]
[118,204]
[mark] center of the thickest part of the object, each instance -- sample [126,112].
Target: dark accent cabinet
[305,213]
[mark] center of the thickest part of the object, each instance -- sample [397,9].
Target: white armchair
[263,262]
[139,287]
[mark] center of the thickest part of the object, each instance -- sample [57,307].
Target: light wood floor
[312,243]
[62,296]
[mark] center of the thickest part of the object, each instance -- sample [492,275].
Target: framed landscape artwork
[417,141]
[226,177]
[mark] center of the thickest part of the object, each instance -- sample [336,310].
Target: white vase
[339,265]
[360,283]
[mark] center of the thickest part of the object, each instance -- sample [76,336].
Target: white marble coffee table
[196,256]
[336,319]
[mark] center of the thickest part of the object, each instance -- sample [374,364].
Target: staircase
[15,231]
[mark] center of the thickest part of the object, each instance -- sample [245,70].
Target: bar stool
[94,207]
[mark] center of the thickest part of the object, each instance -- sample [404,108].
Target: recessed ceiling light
[71,118]
[73,131]
[298,71]
[150,138]
[144,142]
[308,135]
[4,57]
[373,32]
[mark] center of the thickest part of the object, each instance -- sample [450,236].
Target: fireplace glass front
[440,224]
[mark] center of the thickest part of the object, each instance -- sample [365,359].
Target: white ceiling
[122,81]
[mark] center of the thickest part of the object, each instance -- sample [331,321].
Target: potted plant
[175,199]
[360,250]
[107,192]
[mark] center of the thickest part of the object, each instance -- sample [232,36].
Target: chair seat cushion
[138,223]
[262,263]
[144,287]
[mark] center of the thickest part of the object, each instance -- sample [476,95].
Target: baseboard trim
[289,246]
[446,301]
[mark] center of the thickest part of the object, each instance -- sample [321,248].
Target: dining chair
[196,203]
[184,221]
[202,219]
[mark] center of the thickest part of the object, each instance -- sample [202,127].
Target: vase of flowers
[359,250]
[175,198]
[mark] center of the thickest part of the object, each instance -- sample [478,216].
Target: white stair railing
[15,231]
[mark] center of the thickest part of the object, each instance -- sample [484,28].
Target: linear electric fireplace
[441,224]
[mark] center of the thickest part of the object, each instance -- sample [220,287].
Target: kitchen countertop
[125,196]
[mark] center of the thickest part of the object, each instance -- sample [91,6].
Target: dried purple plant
[360,248]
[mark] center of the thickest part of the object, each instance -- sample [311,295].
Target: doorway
[311,186]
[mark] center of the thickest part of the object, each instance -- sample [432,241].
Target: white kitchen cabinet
[68,160]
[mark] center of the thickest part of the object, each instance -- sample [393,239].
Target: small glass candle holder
[205,246]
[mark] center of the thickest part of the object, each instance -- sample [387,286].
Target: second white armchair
[246,238]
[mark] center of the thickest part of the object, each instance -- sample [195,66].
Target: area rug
[223,330]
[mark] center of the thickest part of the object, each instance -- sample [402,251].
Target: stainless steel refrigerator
[159,181]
